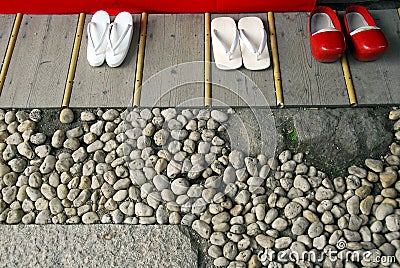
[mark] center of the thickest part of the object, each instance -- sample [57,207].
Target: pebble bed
[175,167]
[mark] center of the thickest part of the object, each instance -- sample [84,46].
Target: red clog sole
[328,46]
[369,45]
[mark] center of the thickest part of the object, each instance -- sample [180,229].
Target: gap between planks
[10,49]
[207,60]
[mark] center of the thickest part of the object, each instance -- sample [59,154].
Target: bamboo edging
[275,60]
[10,49]
[140,60]
[74,60]
[348,81]
[207,60]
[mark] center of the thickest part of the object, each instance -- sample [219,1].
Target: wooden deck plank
[39,64]
[306,81]
[243,87]
[6,22]
[173,60]
[378,82]
[105,86]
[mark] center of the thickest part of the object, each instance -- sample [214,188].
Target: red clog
[367,40]
[326,36]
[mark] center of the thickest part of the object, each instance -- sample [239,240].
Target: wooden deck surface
[173,71]
[172,41]
[7,22]
[39,65]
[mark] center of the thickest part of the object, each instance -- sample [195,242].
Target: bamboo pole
[74,60]
[275,60]
[207,60]
[10,49]
[140,60]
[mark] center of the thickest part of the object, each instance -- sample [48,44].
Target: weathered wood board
[378,82]
[105,86]
[243,87]
[6,21]
[39,64]
[173,73]
[306,81]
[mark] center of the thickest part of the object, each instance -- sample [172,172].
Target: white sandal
[253,35]
[98,29]
[224,34]
[119,39]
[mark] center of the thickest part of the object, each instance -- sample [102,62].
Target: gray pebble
[383,210]
[58,138]
[374,165]
[393,222]
[243,197]
[353,205]
[219,116]
[292,210]
[323,193]
[43,217]
[38,138]
[320,242]
[283,242]
[202,228]
[90,218]
[162,215]
[285,156]
[48,164]
[265,241]
[300,225]
[143,210]
[315,229]
[236,158]
[357,171]
[301,183]
[179,186]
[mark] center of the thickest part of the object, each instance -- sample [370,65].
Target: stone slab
[96,246]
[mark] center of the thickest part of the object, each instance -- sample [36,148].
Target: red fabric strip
[152,6]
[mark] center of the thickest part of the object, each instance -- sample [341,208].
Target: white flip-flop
[225,43]
[253,43]
[119,39]
[97,30]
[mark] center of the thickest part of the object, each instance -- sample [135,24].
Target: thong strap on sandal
[115,46]
[119,40]
[250,46]
[105,33]
[97,30]
[225,43]
[253,43]
[234,44]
